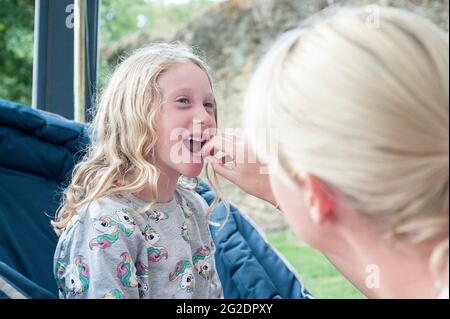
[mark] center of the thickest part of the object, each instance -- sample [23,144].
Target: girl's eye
[209,105]
[183,100]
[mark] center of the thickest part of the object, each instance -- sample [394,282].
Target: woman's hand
[232,159]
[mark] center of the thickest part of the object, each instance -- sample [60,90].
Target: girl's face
[186,120]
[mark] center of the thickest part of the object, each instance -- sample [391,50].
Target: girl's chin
[191,170]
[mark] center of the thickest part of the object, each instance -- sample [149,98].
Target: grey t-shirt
[109,250]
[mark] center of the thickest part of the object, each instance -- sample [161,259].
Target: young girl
[127,228]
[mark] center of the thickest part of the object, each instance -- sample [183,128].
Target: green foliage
[16,49]
[120,18]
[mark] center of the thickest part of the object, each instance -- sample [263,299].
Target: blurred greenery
[120,18]
[319,276]
[16,49]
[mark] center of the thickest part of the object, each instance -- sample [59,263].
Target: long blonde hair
[123,132]
[362,103]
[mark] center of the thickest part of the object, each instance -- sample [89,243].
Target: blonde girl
[127,228]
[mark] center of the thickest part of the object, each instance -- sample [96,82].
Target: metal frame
[54,59]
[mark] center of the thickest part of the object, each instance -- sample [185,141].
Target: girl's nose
[205,118]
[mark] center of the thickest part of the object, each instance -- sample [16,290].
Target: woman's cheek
[290,199]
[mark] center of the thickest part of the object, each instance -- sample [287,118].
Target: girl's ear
[318,201]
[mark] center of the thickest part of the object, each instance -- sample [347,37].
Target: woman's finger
[219,143]
[225,172]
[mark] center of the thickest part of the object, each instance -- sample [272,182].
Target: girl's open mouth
[194,144]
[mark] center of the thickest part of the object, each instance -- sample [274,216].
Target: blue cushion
[246,262]
[39,143]
[27,241]
[20,286]
[37,154]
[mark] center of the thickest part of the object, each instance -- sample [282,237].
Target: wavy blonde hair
[365,108]
[123,132]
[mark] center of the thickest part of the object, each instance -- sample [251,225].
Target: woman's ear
[318,201]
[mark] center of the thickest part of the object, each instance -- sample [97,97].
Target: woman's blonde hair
[361,101]
[123,132]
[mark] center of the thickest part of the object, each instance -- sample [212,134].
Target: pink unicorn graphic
[201,262]
[126,271]
[154,253]
[77,276]
[110,227]
[183,269]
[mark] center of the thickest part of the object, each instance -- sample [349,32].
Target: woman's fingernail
[231,165]
[220,155]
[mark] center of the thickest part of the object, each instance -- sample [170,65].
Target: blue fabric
[37,154]
[23,285]
[27,242]
[249,268]
[38,151]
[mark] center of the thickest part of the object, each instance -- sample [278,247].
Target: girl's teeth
[194,146]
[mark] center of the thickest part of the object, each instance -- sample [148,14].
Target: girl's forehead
[183,69]
[186,77]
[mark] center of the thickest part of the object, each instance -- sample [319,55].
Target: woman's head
[361,113]
[155,102]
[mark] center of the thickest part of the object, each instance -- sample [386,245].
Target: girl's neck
[166,186]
